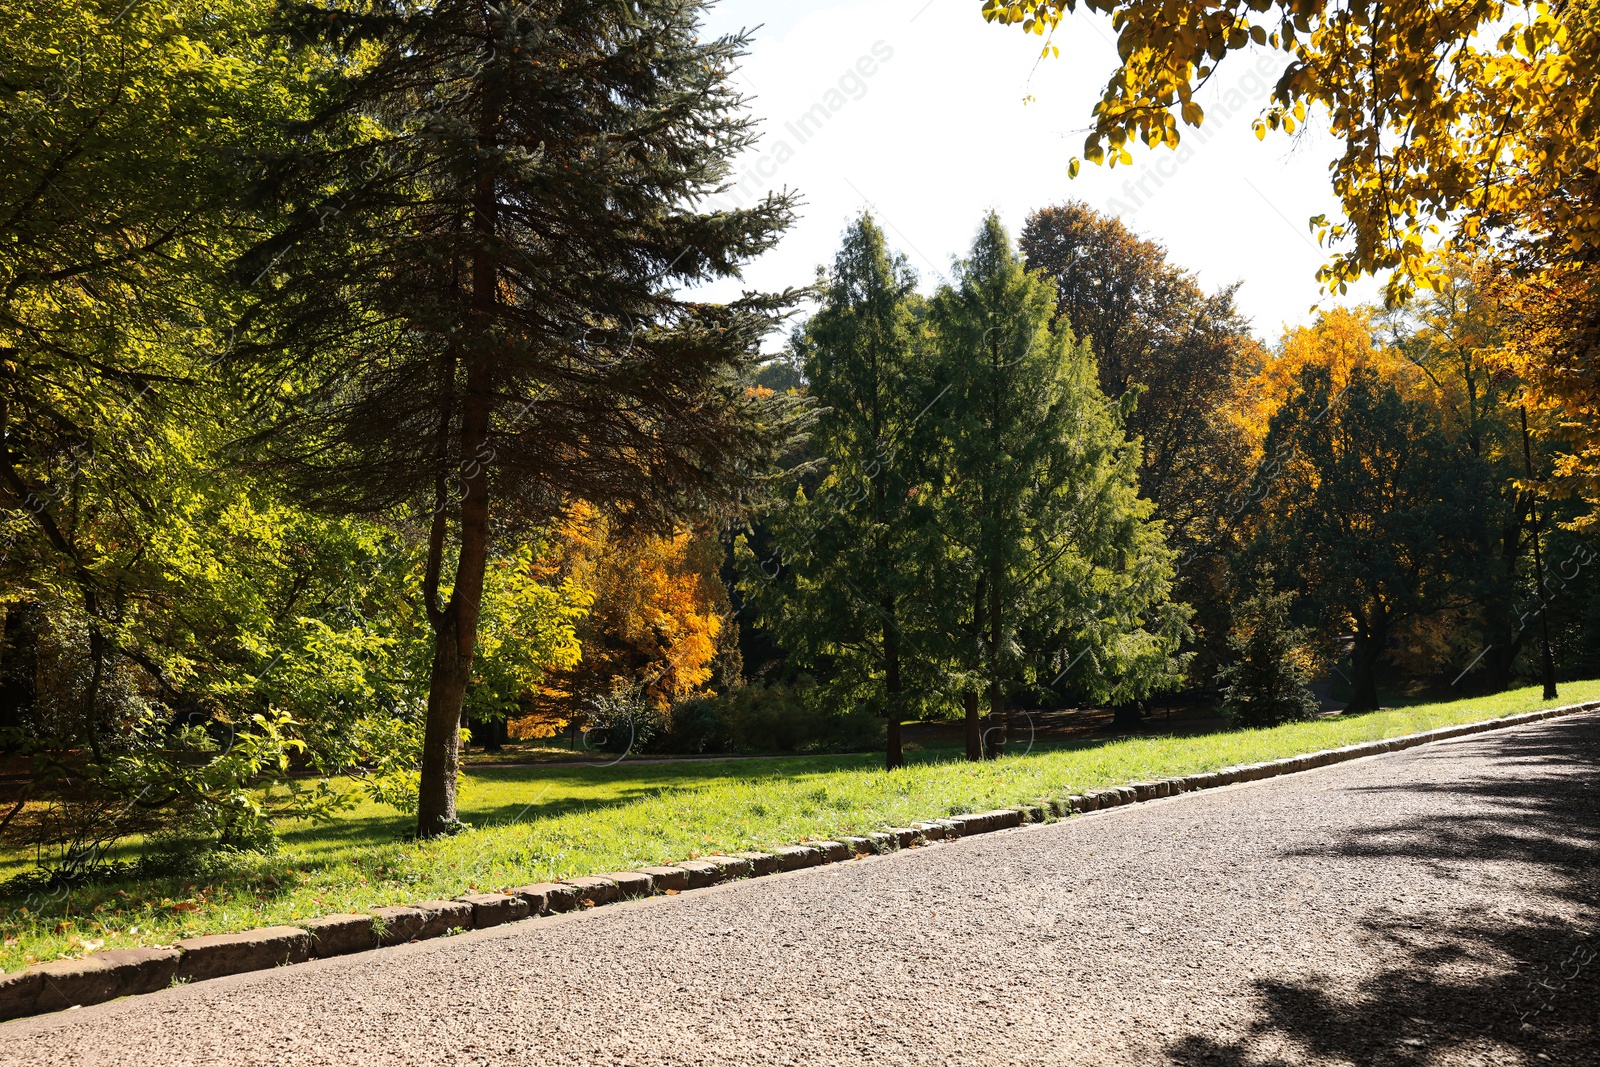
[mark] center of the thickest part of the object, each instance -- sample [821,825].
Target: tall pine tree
[842,591]
[1037,493]
[470,305]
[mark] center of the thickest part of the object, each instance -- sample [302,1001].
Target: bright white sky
[938,132]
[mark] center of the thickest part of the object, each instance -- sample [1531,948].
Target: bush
[624,721]
[1266,684]
[768,718]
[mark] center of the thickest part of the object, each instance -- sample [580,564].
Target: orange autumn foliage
[660,620]
[1341,340]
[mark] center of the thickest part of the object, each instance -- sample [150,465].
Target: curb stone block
[595,891]
[701,873]
[18,992]
[761,863]
[970,824]
[881,842]
[667,879]
[904,836]
[1074,803]
[731,866]
[216,955]
[1143,790]
[797,857]
[858,846]
[442,916]
[560,896]
[335,935]
[933,831]
[493,909]
[951,828]
[105,976]
[1004,818]
[833,851]
[397,925]
[631,884]
[535,896]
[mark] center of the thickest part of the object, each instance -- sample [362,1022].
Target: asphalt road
[1436,906]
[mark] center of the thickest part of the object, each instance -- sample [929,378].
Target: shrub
[1266,683]
[623,721]
[768,718]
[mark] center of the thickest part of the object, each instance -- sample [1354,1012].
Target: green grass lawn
[538,823]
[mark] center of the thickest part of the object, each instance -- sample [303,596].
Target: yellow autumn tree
[659,623]
[1342,341]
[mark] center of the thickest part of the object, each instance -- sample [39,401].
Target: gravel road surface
[1436,906]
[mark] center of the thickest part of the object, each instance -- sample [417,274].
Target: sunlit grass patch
[536,823]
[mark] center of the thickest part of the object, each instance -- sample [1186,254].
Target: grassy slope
[540,823]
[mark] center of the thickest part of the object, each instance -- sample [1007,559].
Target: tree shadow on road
[1488,988]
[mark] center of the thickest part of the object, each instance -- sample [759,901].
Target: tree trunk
[441,742]
[994,738]
[969,704]
[19,665]
[1364,689]
[969,698]
[996,734]
[1127,716]
[455,626]
[894,757]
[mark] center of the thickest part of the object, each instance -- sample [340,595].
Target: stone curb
[108,975]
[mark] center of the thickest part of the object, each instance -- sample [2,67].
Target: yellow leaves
[657,619]
[1193,114]
[1073,166]
[1467,129]
[1341,342]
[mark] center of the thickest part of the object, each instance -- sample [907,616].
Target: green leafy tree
[841,589]
[470,305]
[1065,576]
[1372,510]
[1265,684]
[148,596]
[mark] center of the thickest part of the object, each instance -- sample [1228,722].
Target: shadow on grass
[1540,1005]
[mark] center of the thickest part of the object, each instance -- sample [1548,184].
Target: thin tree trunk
[1547,661]
[969,699]
[996,734]
[969,705]
[894,756]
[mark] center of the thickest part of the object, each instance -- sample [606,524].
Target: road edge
[70,983]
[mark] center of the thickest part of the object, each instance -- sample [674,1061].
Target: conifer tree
[842,590]
[1038,499]
[1266,683]
[470,306]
